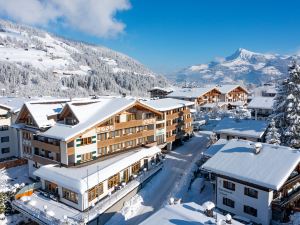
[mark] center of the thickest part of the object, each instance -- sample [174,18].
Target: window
[228,202]
[229,185]
[85,141]
[135,168]
[70,195]
[3,128]
[102,151]
[5,139]
[95,192]
[250,210]
[5,150]
[113,181]
[102,137]
[251,192]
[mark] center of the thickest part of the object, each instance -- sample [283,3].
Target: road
[157,192]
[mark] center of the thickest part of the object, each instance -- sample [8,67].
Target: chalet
[252,130]
[262,107]
[72,133]
[159,92]
[198,95]
[178,119]
[256,180]
[232,93]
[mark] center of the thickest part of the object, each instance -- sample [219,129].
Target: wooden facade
[211,96]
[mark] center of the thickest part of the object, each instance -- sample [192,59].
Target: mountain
[35,62]
[243,66]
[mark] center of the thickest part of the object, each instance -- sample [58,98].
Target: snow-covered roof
[166,89]
[186,213]
[76,179]
[242,128]
[40,112]
[190,92]
[165,104]
[213,105]
[88,115]
[261,103]
[226,88]
[270,168]
[213,149]
[13,104]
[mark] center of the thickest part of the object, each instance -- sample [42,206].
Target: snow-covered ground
[12,176]
[171,181]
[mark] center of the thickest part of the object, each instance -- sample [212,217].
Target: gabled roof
[191,92]
[40,112]
[166,89]
[90,115]
[261,103]
[77,179]
[165,104]
[226,88]
[270,168]
[242,128]
[13,104]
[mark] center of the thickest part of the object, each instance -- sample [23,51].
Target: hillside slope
[34,62]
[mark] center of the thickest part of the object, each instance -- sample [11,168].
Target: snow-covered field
[173,180]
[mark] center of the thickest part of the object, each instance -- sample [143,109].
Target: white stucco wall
[262,203]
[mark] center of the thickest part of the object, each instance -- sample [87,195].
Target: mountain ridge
[36,62]
[243,66]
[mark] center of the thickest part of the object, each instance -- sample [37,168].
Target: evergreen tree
[287,108]
[273,137]
[2,202]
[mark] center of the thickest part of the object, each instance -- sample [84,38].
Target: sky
[168,35]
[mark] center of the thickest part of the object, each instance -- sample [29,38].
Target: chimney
[257,148]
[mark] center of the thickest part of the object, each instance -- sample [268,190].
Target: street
[157,192]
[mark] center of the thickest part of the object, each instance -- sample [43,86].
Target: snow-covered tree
[287,108]
[273,136]
[2,202]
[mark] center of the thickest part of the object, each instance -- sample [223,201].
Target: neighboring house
[9,108]
[158,92]
[198,95]
[262,107]
[269,91]
[178,119]
[256,180]
[232,93]
[187,213]
[252,130]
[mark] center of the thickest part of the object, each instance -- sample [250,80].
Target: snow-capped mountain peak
[242,66]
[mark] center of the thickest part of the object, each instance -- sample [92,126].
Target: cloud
[95,17]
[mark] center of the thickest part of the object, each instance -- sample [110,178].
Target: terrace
[46,210]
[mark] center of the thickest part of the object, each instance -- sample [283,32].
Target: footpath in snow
[172,181]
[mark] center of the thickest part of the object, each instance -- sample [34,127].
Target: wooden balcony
[171,138]
[43,160]
[124,138]
[172,127]
[123,125]
[45,146]
[174,115]
[71,151]
[188,120]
